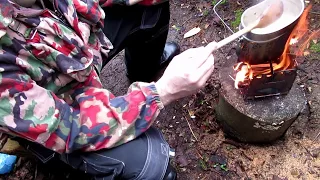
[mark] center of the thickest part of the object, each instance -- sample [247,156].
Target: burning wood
[262,65]
[299,38]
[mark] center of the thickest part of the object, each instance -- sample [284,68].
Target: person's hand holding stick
[187,73]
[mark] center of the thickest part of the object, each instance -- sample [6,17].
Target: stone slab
[259,120]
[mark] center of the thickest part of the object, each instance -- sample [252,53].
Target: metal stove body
[257,49]
[277,82]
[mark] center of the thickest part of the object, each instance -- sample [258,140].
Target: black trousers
[146,157]
[142,33]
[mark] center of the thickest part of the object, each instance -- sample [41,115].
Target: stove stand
[263,119]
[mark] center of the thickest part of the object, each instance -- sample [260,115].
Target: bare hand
[132,2]
[186,74]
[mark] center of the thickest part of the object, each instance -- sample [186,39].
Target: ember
[298,40]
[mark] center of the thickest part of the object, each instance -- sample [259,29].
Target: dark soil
[209,153]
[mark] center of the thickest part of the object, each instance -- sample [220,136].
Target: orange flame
[246,71]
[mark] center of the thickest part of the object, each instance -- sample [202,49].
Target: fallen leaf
[258,162]
[192,32]
[306,53]
[294,172]
[183,169]
[176,28]
[191,112]
[275,177]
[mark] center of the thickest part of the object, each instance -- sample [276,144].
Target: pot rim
[262,40]
[279,30]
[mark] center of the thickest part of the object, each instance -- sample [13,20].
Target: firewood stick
[191,129]
[262,65]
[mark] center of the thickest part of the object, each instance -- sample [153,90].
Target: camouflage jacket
[50,92]
[128,2]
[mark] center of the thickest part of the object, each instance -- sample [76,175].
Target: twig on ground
[307,150]
[312,12]
[186,21]
[199,154]
[242,167]
[316,137]
[245,155]
[236,144]
[191,128]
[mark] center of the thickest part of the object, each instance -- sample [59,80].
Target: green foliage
[214,2]
[176,28]
[315,47]
[203,165]
[224,2]
[224,167]
[205,12]
[237,19]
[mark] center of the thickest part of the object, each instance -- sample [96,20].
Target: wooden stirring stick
[271,14]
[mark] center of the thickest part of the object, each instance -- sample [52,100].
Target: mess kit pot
[263,48]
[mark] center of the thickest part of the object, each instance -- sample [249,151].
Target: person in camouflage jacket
[51,94]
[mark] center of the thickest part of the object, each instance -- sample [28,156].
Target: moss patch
[315,47]
[214,2]
[235,24]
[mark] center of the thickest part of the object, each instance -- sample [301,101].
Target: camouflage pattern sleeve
[50,91]
[94,120]
[105,3]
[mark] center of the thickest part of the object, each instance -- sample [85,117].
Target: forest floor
[209,154]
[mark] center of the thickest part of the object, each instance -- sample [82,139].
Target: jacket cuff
[151,93]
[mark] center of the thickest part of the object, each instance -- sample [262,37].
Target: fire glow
[298,37]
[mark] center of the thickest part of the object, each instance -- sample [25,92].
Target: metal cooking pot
[261,47]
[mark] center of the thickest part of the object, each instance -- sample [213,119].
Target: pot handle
[215,11]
